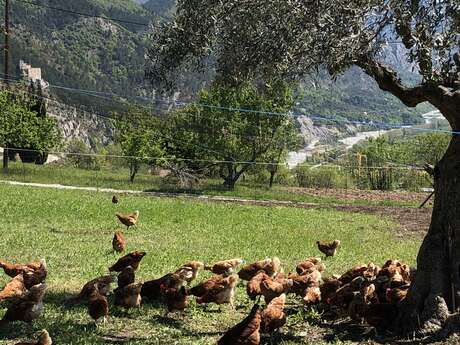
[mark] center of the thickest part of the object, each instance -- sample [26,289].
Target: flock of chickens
[365,293]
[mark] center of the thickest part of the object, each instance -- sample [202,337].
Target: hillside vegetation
[98,54]
[83,52]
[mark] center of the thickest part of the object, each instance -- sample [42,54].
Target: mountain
[83,52]
[354,96]
[97,54]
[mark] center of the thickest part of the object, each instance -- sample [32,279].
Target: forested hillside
[97,54]
[82,52]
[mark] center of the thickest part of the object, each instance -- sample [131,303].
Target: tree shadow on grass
[24,330]
[347,330]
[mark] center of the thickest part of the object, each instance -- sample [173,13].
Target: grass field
[73,231]
[117,178]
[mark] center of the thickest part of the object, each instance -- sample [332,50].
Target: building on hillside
[33,74]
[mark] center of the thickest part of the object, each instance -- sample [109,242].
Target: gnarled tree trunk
[435,294]
[436,290]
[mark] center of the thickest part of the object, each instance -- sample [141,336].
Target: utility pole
[6,65]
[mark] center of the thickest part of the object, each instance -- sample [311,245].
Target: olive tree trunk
[436,290]
[435,293]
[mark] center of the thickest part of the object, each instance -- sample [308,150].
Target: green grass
[117,178]
[73,231]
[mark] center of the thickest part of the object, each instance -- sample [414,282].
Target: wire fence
[203,177]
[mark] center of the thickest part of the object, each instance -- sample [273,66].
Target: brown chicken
[225,267]
[102,284]
[344,295]
[217,289]
[176,299]
[396,271]
[329,288]
[328,248]
[397,294]
[35,276]
[13,270]
[273,317]
[361,300]
[355,271]
[270,266]
[307,287]
[303,282]
[253,286]
[43,339]
[128,296]
[128,219]
[119,242]
[310,265]
[15,288]
[371,272]
[132,259]
[312,295]
[27,308]
[271,288]
[190,270]
[126,277]
[115,199]
[247,332]
[98,307]
[153,289]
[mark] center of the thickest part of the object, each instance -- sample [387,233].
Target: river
[296,158]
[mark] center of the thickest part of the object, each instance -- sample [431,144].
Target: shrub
[321,177]
[79,156]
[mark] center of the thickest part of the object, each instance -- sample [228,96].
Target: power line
[380,125]
[83,14]
[374,124]
[139,105]
[390,165]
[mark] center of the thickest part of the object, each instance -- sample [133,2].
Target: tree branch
[388,80]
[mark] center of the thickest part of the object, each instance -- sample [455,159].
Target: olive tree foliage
[213,134]
[266,38]
[262,39]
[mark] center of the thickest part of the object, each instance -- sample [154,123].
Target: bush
[284,176]
[321,177]
[414,180]
[80,156]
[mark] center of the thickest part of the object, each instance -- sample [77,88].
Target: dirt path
[412,221]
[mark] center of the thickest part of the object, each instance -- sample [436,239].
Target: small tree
[21,128]
[139,135]
[287,138]
[213,130]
